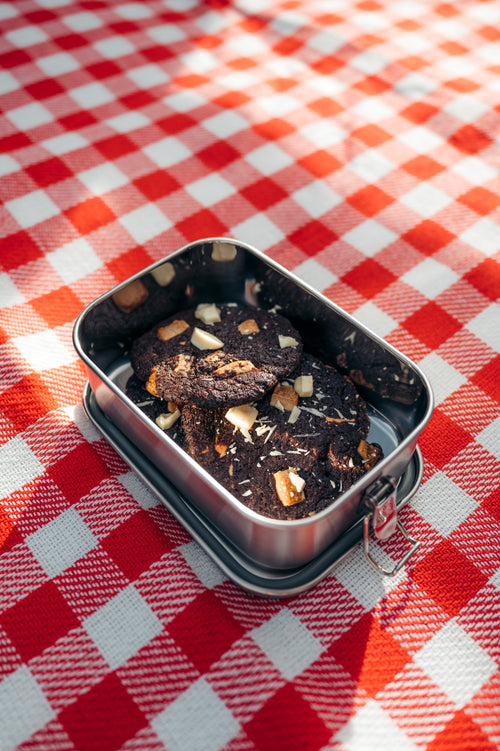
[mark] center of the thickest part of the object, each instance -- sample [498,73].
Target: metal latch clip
[382,516]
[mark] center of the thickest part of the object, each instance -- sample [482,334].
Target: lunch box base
[235,565]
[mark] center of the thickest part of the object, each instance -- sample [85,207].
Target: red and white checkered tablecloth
[357,143]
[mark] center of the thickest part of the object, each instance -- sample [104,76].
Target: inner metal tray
[236,566]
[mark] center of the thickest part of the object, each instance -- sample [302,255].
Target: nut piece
[167,419]
[204,340]
[248,327]
[183,364]
[207,312]
[285,395]
[223,251]
[289,486]
[163,274]
[234,368]
[173,329]
[130,297]
[287,341]
[151,384]
[242,417]
[303,385]
[369,452]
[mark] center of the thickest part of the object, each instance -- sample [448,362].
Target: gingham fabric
[356,143]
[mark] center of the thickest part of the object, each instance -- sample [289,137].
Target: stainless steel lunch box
[220,270]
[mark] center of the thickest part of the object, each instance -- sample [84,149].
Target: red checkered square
[449,577]
[369,278]
[156,184]
[218,155]
[481,200]
[78,472]
[442,439]
[26,401]
[129,263]
[428,237]
[204,646]
[470,139]
[264,193]
[486,278]
[432,325]
[372,85]
[370,200]
[287,721]
[312,237]
[18,249]
[325,107]
[492,504]
[419,112]
[90,215]
[320,163]
[369,654]
[44,607]
[9,532]
[136,544]
[423,167]
[49,172]
[58,307]
[204,223]
[115,146]
[104,718]
[372,135]
[461,732]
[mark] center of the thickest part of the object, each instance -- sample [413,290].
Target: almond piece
[236,367]
[163,274]
[303,385]
[173,329]
[151,384]
[203,340]
[130,297]
[167,419]
[207,312]
[369,453]
[289,486]
[249,326]
[285,395]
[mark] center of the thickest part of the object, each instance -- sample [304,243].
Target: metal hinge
[382,517]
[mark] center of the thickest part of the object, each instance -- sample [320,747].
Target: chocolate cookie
[216,355]
[166,415]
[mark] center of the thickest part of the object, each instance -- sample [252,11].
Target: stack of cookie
[283,431]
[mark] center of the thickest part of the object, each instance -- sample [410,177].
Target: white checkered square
[185,101]
[426,200]
[443,504]
[199,61]
[64,143]
[60,543]
[133,11]
[466,108]
[258,231]
[114,47]
[128,121]
[483,327]
[123,626]
[43,350]
[58,64]
[421,139]
[278,105]
[26,36]
[483,235]
[8,10]
[456,663]
[196,720]
[370,237]
[315,274]
[102,178]
[443,377]
[369,62]
[278,638]
[326,42]
[18,466]
[372,728]
[373,110]
[416,86]
[412,42]
[147,76]
[32,208]
[91,95]
[145,223]
[317,198]
[210,189]
[225,123]
[362,581]
[370,165]
[200,564]
[323,133]
[474,170]
[375,319]
[167,152]
[8,83]
[83,21]
[74,260]
[144,497]
[9,293]
[24,708]
[167,33]
[430,277]
[269,159]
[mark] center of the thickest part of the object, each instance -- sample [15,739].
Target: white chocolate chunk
[294,415]
[207,312]
[223,251]
[242,417]
[286,489]
[287,341]
[166,420]
[204,340]
[299,482]
[303,385]
[163,274]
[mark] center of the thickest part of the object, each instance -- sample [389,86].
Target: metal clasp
[382,517]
